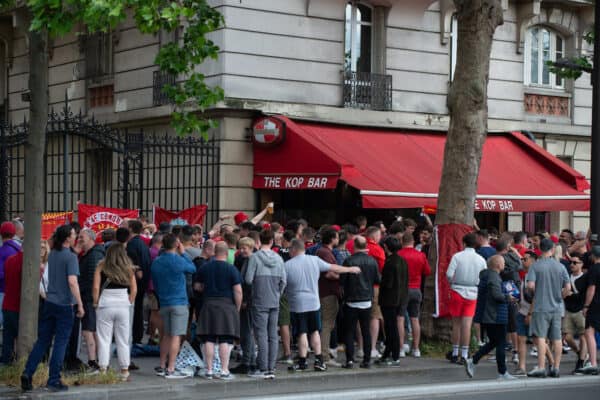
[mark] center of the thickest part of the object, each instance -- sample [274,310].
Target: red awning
[398,169]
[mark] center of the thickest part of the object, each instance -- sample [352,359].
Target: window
[542,45]
[99,56]
[453,45]
[357,55]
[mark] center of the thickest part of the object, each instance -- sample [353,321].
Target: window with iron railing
[160,80]
[366,90]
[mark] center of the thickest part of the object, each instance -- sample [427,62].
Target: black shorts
[217,339]
[306,322]
[414,303]
[592,321]
[88,322]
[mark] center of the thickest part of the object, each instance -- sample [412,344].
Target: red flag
[190,216]
[51,221]
[100,218]
[448,239]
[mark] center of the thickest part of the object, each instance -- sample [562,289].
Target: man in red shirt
[373,235]
[11,306]
[418,267]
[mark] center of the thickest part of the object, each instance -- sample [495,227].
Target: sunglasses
[576,262]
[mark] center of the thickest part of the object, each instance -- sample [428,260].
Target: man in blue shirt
[168,277]
[56,320]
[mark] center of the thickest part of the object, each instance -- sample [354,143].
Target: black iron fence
[159,80]
[368,91]
[92,163]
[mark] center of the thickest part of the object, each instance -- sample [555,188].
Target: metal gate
[90,162]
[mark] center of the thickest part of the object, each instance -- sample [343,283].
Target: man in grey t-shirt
[550,282]
[302,290]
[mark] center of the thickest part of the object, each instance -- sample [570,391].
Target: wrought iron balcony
[160,79]
[365,90]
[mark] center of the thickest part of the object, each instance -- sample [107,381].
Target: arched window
[357,50]
[543,45]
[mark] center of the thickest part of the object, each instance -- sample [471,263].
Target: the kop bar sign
[268,131]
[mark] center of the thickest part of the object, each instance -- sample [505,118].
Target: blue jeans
[56,322]
[9,334]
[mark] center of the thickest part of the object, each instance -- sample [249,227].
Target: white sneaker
[375,355]
[533,352]
[506,377]
[416,353]
[333,353]
[406,347]
[515,358]
[402,353]
[333,363]
[360,353]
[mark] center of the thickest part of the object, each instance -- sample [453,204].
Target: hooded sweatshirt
[267,276]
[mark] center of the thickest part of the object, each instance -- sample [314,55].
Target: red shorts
[461,307]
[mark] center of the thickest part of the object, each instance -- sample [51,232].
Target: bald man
[492,313]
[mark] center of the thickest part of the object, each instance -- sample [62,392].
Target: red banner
[100,218]
[190,216]
[51,221]
[448,239]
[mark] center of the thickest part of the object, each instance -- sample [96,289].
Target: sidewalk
[144,385]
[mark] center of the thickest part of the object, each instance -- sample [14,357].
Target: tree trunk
[34,193]
[467,105]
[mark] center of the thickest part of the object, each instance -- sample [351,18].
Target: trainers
[297,367]
[393,363]
[286,360]
[578,366]
[208,375]
[461,361]
[57,387]
[176,374]
[554,373]
[270,375]
[257,374]
[160,371]
[93,368]
[515,358]
[533,352]
[360,353]
[333,353]
[348,365]
[26,384]
[333,363]
[402,354]
[320,366]
[365,365]
[225,376]
[124,376]
[506,377]
[375,354]
[470,367]
[537,373]
[416,353]
[519,372]
[587,369]
[406,348]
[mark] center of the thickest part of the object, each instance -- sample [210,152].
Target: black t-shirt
[574,302]
[594,279]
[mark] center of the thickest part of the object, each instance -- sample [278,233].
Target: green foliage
[573,67]
[180,59]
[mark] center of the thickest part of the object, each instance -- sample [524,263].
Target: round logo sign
[268,131]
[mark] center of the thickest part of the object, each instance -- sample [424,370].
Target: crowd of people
[253,286]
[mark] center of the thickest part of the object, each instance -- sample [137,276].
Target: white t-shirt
[302,288]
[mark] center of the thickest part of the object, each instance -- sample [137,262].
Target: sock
[464,352]
[454,350]
[319,358]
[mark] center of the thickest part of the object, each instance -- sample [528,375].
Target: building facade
[377,63]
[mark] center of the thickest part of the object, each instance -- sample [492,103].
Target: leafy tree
[52,18]
[574,67]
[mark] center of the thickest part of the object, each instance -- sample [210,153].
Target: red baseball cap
[336,228]
[240,217]
[7,229]
[554,238]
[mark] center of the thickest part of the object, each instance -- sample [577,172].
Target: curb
[445,389]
